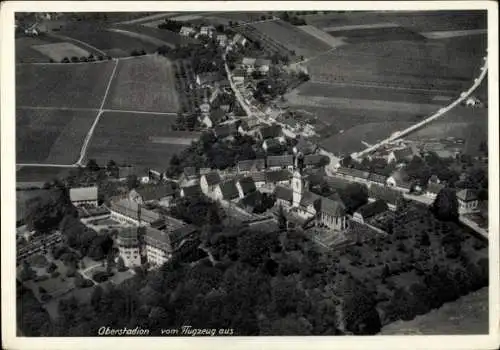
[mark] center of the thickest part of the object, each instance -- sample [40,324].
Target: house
[304,147]
[245,186]
[156,194]
[204,171]
[377,178]
[259,178]
[239,39]
[467,201]
[284,196]
[207,30]
[269,132]
[208,79]
[187,31]
[433,190]
[209,182]
[249,126]
[280,162]
[400,179]
[224,131]
[158,247]
[278,177]
[189,173]
[191,191]
[434,179]
[314,161]
[221,39]
[353,173]
[248,64]
[239,76]
[83,195]
[370,210]
[127,241]
[387,194]
[251,165]
[401,155]
[262,65]
[130,212]
[182,235]
[270,145]
[226,190]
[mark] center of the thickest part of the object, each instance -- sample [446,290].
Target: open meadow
[156,35]
[40,173]
[145,83]
[51,136]
[79,85]
[145,140]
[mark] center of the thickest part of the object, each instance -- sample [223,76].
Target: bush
[55,274]
[102,276]
[51,268]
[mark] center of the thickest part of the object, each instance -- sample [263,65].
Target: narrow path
[92,128]
[64,37]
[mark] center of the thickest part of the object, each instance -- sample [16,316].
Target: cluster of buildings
[209,31]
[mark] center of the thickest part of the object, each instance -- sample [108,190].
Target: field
[130,138]
[58,51]
[51,136]
[144,83]
[467,315]
[40,173]
[26,52]
[163,36]
[375,34]
[292,38]
[321,35]
[62,85]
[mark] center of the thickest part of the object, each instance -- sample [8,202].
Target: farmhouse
[248,64]
[126,171]
[157,194]
[433,190]
[182,235]
[245,186]
[467,201]
[284,196]
[128,246]
[224,131]
[188,174]
[377,178]
[280,162]
[83,195]
[239,39]
[278,177]
[387,194]
[207,30]
[262,65]
[187,31]
[248,126]
[269,132]
[251,165]
[271,145]
[209,182]
[191,191]
[314,161]
[400,179]
[239,76]
[259,178]
[401,155]
[226,190]
[370,210]
[304,147]
[129,212]
[208,79]
[158,247]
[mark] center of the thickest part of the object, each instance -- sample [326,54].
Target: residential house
[127,241]
[377,178]
[221,39]
[226,190]
[187,31]
[370,210]
[467,201]
[208,79]
[239,39]
[304,147]
[269,132]
[83,195]
[191,191]
[245,186]
[158,247]
[402,155]
[353,173]
[284,196]
[207,31]
[280,162]
[262,65]
[129,212]
[239,76]
[251,165]
[400,179]
[209,182]
[433,189]
[314,161]
[278,177]
[248,64]
[272,145]
[387,194]
[162,194]
[259,179]
[434,179]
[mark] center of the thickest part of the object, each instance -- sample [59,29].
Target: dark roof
[212,178]
[177,235]
[251,200]
[353,172]
[156,192]
[434,178]
[262,62]
[127,235]
[191,191]
[229,190]
[224,130]
[400,176]
[284,193]
[278,175]
[209,78]
[372,209]
[377,178]
[190,171]
[251,164]
[313,159]
[271,144]
[258,177]
[157,238]
[467,195]
[133,210]
[281,161]
[385,193]
[270,131]
[305,146]
[434,188]
[403,153]
[337,183]
[331,207]
[247,185]
[309,198]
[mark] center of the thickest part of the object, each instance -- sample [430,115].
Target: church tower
[297,187]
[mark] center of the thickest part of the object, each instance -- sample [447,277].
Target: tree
[445,206]
[27,272]
[121,264]
[132,182]
[282,220]
[354,195]
[92,165]
[112,168]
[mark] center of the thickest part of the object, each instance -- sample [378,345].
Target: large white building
[83,195]
[158,247]
[128,247]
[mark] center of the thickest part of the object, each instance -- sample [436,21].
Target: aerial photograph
[273,173]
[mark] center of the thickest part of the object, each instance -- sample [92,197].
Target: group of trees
[174,26]
[90,58]
[44,212]
[136,52]
[295,20]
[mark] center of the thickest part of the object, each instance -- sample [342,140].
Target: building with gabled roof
[239,39]
[277,177]
[251,165]
[433,189]
[259,178]
[370,210]
[245,186]
[162,194]
[401,155]
[284,196]
[379,179]
[434,179]
[401,179]
[83,195]
[191,191]
[387,194]
[209,182]
[226,190]
[468,201]
[269,132]
[129,212]
[353,173]
[280,162]
[314,160]
[304,147]
[187,31]
[158,247]
[127,241]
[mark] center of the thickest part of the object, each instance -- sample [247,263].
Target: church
[329,212]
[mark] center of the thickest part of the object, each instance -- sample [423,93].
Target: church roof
[331,207]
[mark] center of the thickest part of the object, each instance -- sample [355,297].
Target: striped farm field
[145,83]
[79,85]
[164,37]
[50,136]
[322,35]
[145,140]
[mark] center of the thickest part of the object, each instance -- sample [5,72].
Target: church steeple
[297,187]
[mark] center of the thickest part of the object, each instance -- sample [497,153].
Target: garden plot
[59,51]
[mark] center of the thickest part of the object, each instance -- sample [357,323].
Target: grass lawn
[130,138]
[51,135]
[145,84]
[62,85]
[58,51]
